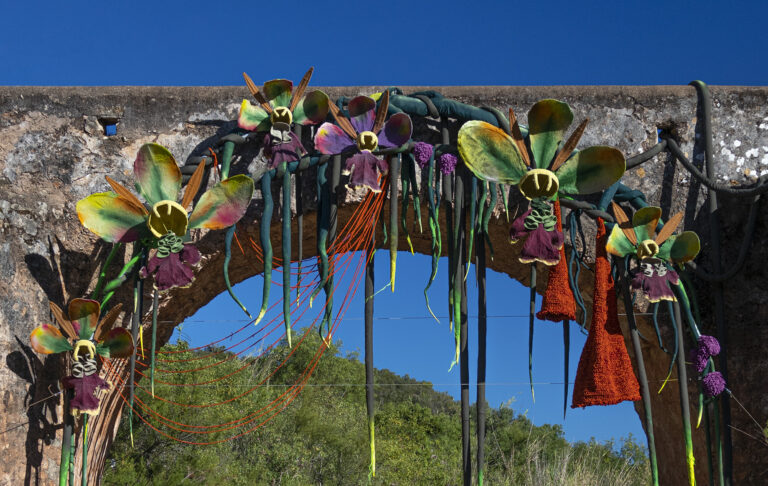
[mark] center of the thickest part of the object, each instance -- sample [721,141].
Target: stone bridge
[53,152]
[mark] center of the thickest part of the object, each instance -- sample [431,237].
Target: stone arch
[52,154]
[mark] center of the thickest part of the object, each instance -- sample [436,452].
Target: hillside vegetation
[322,436]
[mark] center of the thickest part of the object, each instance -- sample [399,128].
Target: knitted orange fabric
[558,303]
[605,375]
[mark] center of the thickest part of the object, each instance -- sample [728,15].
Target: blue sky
[401,43]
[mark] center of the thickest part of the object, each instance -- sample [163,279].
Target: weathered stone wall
[53,152]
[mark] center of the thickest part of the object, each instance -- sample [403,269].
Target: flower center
[367,141]
[168,244]
[167,217]
[541,213]
[281,114]
[539,183]
[647,249]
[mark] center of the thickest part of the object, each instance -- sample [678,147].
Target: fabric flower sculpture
[163,223]
[361,135]
[542,167]
[87,335]
[278,107]
[654,252]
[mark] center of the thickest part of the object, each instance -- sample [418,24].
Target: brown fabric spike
[558,303]
[605,375]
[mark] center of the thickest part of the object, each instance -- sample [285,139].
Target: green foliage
[322,438]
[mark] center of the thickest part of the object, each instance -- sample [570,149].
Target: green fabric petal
[47,339]
[157,174]
[490,153]
[591,170]
[311,109]
[224,204]
[680,248]
[618,244]
[547,122]
[278,92]
[117,344]
[253,117]
[85,312]
[111,217]
[645,220]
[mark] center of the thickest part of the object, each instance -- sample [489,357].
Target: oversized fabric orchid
[83,331]
[87,335]
[361,134]
[120,216]
[654,252]
[278,107]
[542,167]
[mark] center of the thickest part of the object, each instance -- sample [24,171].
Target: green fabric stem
[405,181]
[472,221]
[66,439]
[492,188]
[434,229]
[155,302]
[683,388]
[505,201]
[532,315]
[71,467]
[287,254]
[229,235]
[394,172]
[84,475]
[458,275]
[226,158]
[113,284]
[416,191]
[138,306]
[265,240]
[323,196]
[677,345]
[103,274]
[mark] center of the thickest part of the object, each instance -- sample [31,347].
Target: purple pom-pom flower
[699,359]
[713,384]
[447,163]
[422,152]
[709,345]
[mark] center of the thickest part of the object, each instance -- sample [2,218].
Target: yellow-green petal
[618,244]
[312,109]
[680,248]
[253,117]
[278,92]
[591,170]
[111,217]
[645,220]
[85,313]
[47,339]
[547,122]
[117,344]
[224,204]
[490,153]
[157,173]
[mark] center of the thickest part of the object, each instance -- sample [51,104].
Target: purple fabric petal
[518,230]
[362,113]
[396,131]
[447,163]
[86,388]
[278,151]
[713,384]
[655,286]
[709,345]
[382,165]
[422,152]
[190,254]
[171,271]
[362,169]
[331,140]
[542,246]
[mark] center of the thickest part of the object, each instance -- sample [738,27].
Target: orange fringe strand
[605,375]
[558,304]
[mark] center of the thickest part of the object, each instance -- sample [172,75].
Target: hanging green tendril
[433,196]
[416,192]
[492,188]
[405,181]
[323,196]
[287,251]
[230,234]
[266,243]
